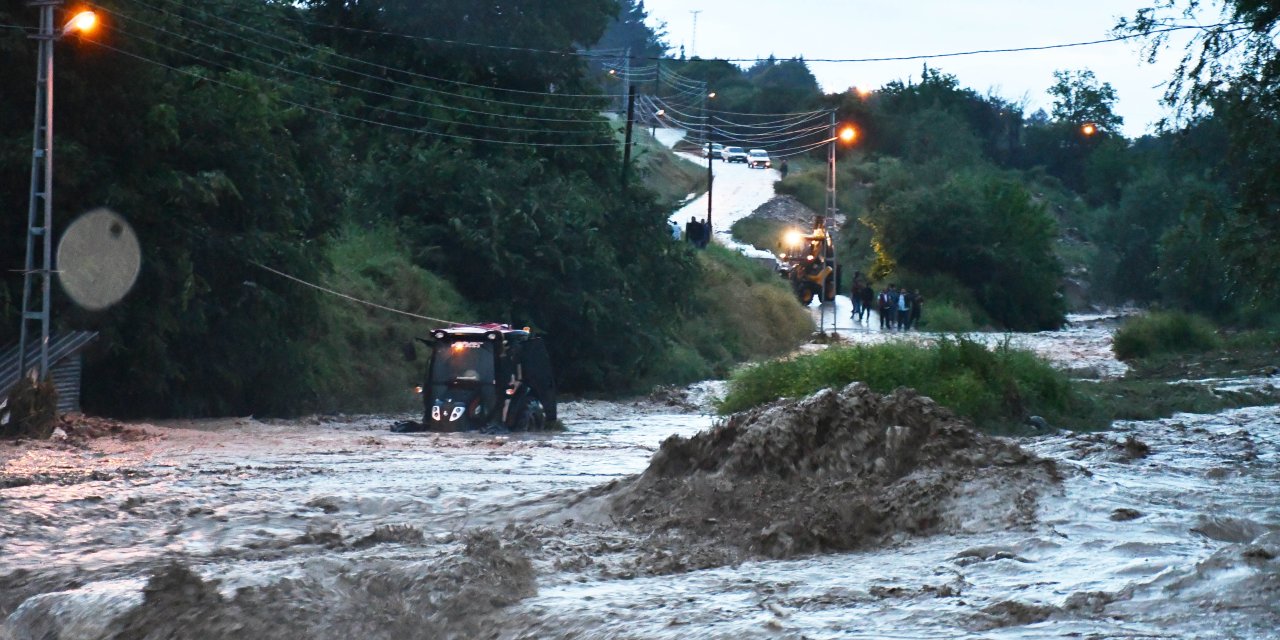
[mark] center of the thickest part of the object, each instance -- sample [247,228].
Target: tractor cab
[487,377]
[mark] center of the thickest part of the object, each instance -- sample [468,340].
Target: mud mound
[337,598]
[786,209]
[838,470]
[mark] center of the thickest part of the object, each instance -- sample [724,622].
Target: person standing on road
[691,231]
[706,233]
[868,300]
[886,307]
[904,309]
[917,306]
[783,169]
[855,296]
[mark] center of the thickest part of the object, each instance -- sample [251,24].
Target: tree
[1232,69]
[982,229]
[630,31]
[1078,100]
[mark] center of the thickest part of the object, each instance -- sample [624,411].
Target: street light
[847,134]
[1088,129]
[35,309]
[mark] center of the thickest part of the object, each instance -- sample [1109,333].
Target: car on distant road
[758,158]
[713,150]
[734,154]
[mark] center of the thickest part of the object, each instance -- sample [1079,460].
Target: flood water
[1175,540]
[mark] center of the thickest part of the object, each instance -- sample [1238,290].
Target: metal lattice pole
[35,297]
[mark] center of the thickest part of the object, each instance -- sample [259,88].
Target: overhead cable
[338,83]
[330,53]
[346,116]
[351,298]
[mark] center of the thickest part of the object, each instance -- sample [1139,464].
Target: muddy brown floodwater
[844,515]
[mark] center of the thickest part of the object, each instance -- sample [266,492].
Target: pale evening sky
[851,29]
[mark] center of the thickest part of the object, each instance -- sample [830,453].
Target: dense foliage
[362,145]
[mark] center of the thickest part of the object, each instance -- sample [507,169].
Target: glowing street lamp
[1089,128]
[84,22]
[35,302]
[848,134]
[657,117]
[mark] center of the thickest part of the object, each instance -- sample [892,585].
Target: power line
[974,52]
[367,91]
[346,116]
[380,67]
[352,298]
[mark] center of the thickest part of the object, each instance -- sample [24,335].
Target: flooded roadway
[1173,536]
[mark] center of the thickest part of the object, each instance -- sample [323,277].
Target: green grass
[664,172]
[761,233]
[363,367]
[1163,332]
[741,311]
[995,388]
[945,317]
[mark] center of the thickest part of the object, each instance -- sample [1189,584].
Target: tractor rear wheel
[533,417]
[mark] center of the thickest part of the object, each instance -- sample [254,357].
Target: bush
[996,388]
[944,317]
[1163,332]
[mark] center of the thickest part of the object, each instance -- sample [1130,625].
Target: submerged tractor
[808,263]
[486,377]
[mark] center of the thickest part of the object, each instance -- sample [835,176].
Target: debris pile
[839,470]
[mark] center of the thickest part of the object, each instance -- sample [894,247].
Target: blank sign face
[98,259]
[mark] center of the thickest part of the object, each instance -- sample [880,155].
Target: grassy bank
[740,311]
[363,368]
[665,172]
[996,388]
[1000,388]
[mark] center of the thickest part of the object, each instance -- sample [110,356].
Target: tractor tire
[533,417]
[829,289]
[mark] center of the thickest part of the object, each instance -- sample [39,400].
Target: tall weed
[1163,332]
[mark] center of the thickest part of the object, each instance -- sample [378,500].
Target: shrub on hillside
[1163,332]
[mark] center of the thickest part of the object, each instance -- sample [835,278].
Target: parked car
[734,154]
[758,158]
[713,150]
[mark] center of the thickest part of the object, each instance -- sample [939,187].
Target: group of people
[698,232]
[897,307]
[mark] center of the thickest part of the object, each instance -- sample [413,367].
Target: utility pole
[706,137]
[626,81]
[693,42]
[35,296]
[831,219]
[631,119]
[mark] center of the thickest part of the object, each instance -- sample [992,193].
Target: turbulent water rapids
[337,528]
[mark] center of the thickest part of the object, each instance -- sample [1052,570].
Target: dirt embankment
[839,470]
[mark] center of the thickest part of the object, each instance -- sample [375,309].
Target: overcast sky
[861,29]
